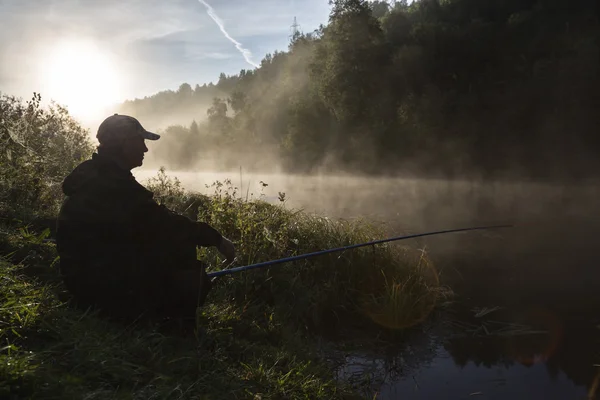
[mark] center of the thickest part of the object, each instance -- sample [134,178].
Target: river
[525,322]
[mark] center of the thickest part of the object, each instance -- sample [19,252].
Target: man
[119,250]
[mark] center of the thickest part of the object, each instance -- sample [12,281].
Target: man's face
[133,151]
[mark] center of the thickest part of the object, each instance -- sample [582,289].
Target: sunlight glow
[80,76]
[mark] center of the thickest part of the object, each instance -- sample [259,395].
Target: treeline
[170,107]
[453,87]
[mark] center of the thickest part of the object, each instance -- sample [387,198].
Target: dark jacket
[110,231]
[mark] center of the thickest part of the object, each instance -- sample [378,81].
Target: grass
[256,337]
[52,351]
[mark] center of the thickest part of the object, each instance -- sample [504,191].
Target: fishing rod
[354,246]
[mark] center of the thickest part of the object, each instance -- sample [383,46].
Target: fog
[403,203]
[159,122]
[551,247]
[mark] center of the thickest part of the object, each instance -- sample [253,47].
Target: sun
[80,76]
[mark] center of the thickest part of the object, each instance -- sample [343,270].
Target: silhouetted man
[119,250]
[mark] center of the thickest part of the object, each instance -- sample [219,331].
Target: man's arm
[203,234]
[152,217]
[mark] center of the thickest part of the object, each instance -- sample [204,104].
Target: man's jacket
[110,227]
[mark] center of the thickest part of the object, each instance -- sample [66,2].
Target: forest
[501,89]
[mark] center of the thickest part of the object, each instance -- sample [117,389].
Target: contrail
[245,52]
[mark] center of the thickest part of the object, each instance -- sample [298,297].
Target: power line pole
[295,29]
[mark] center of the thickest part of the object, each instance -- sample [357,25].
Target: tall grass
[392,285]
[52,351]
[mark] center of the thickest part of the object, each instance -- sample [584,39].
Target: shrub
[38,148]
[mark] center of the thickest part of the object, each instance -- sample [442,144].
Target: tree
[397,26]
[379,8]
[217,117]
[237,101]
[185,91]
[194,130]
[351,61]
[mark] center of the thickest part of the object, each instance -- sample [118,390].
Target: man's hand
[227,249]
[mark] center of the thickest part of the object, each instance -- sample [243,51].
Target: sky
[122,49]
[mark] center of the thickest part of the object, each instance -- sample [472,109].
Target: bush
[38,148]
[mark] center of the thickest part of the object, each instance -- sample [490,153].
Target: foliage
[167,190]
[38,148]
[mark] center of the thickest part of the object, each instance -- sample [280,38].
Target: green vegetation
[330,290]
[38,148]
[437,87]
[256,337]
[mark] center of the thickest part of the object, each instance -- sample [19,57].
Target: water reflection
[493,357]
[446,380]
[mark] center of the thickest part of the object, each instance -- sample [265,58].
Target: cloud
[245,52]
[270,17]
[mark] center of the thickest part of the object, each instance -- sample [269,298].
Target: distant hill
[175,107]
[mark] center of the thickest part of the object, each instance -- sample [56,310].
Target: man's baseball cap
[118,127]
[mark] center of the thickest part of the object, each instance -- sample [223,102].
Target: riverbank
[256,337]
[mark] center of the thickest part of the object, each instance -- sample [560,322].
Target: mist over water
[404,202]
[552,241]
